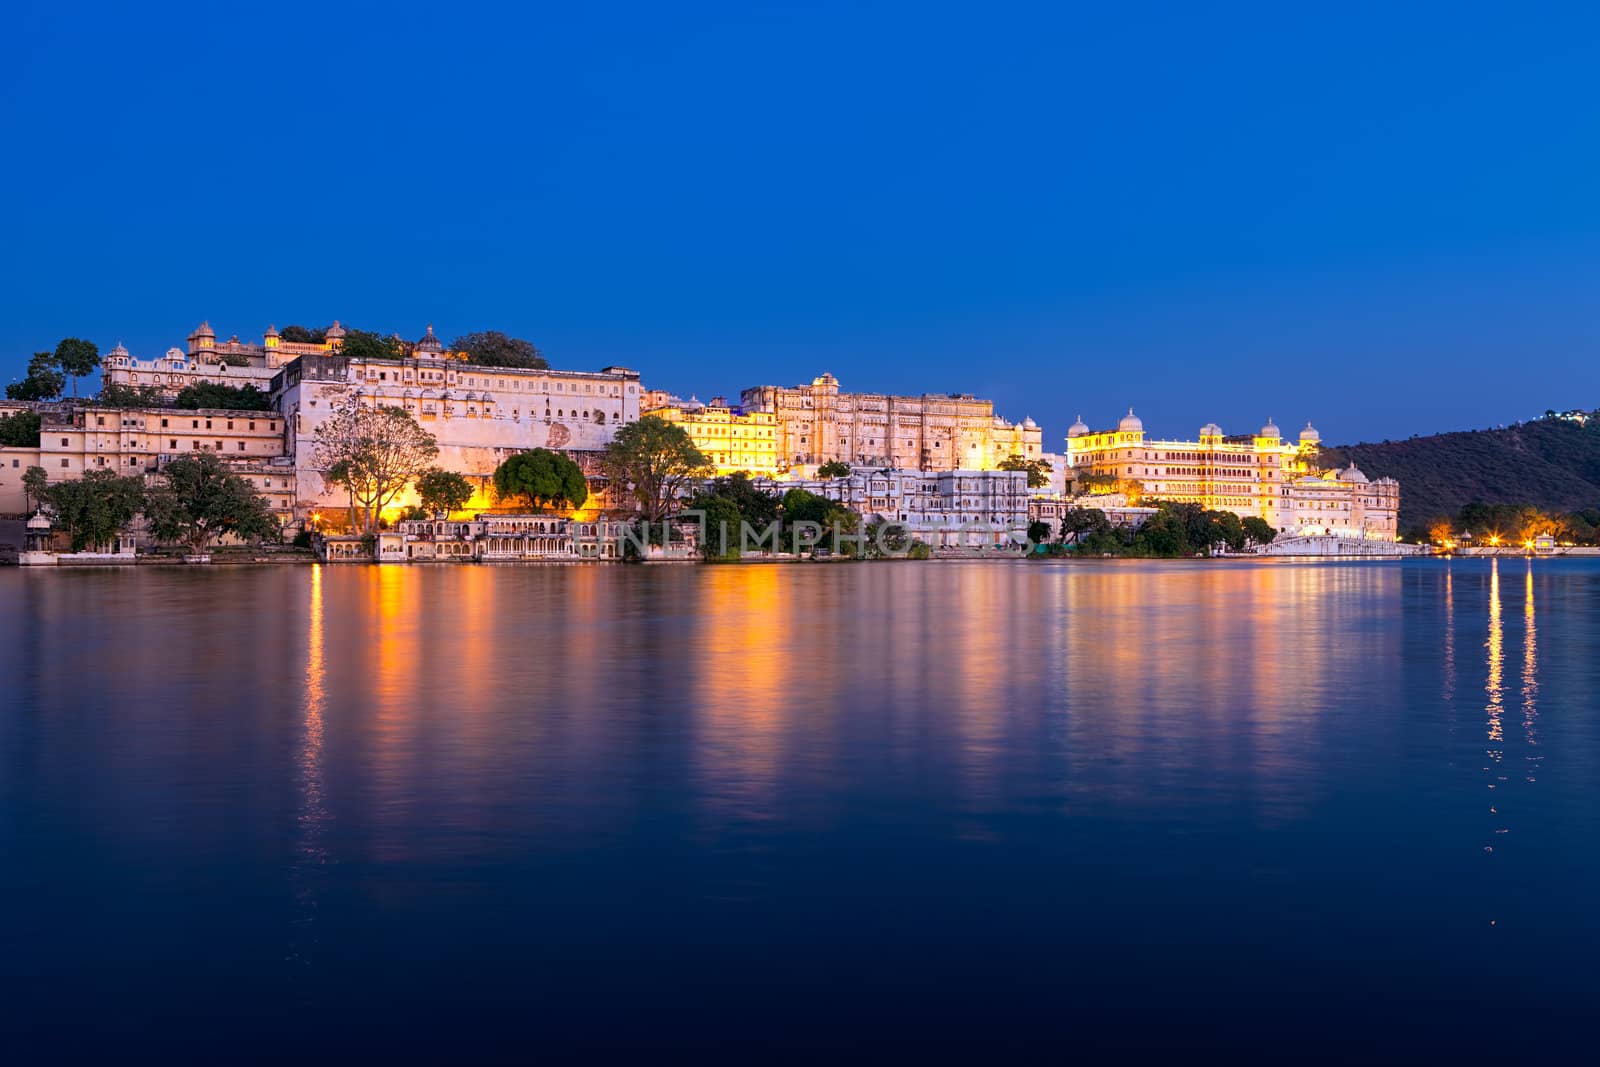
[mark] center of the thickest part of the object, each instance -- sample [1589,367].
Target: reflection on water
[307,871]
[563,786]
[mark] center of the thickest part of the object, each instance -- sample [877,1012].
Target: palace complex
[929,462]
[817,424]
[1258,474]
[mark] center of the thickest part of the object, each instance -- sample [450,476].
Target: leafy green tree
[1038,469]
[77,358]
[836,520]
[1259,530]
[1038,531]
[233,359]
[222,397]
[93,508]
[363,344]
[652,460]
[491,348]
[1163,534]
[834,468]
[44,380]
[303,335]
[117,395]
[20,429]
[1079,523]
[1225,528]
[756,506]
[545,478]
[202,501]
[374,453]
[719,531]
[443,491]
[35,487]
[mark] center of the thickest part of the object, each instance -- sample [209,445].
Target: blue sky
[1383,218]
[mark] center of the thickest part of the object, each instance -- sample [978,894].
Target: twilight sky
[1383,218]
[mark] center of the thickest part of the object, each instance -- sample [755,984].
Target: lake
[893,809]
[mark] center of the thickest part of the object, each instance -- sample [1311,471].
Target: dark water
[896,809]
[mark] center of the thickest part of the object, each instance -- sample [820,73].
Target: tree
[546,478]
[1038,531]
[652,460]
[202,500]
[444,491]
[35,486]
[303,335]
[1038,469]
[117,395]
[1225,528]
[77,357]
[1079,523]
[834,468]
[719,531]
[20,429]
[44,380]
[383,451]
[1259,530]
[491,348]
[222,397]
[233,359]
[363,344]
[836,520]
[93,508]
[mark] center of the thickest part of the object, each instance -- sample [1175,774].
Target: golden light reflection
[1530,660]
[312,819]
[1449,639]
[1494,648]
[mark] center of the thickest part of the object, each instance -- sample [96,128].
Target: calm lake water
[468,812]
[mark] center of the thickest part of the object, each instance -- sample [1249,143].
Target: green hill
[1551,463]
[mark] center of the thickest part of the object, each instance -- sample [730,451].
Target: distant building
[818,423]
[732,439]
[1257,474]
[233,362]
[946,509]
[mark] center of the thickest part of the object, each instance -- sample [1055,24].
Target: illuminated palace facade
[1257,474]
[478,415]
[818,423]
[732,439]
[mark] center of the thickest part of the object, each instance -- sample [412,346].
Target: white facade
[478,415]
[947,509]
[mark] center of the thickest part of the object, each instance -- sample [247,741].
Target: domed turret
[1029,424]
[335,333]
[429,345]
[202,338]
[1130,423]
[1210,429]
[1352,474]
[1270,430]
[1077,429]
[1310,436]
[118,354]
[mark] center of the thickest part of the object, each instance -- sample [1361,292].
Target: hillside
[1552,463]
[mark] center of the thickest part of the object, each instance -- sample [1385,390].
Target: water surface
[481,811]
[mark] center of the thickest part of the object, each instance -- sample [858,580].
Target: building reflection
[311,856]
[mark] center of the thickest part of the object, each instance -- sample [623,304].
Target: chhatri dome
[1130,423]
[429,342]
[1270,429]
[1077,429]
[1310,436]
[1211,429]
